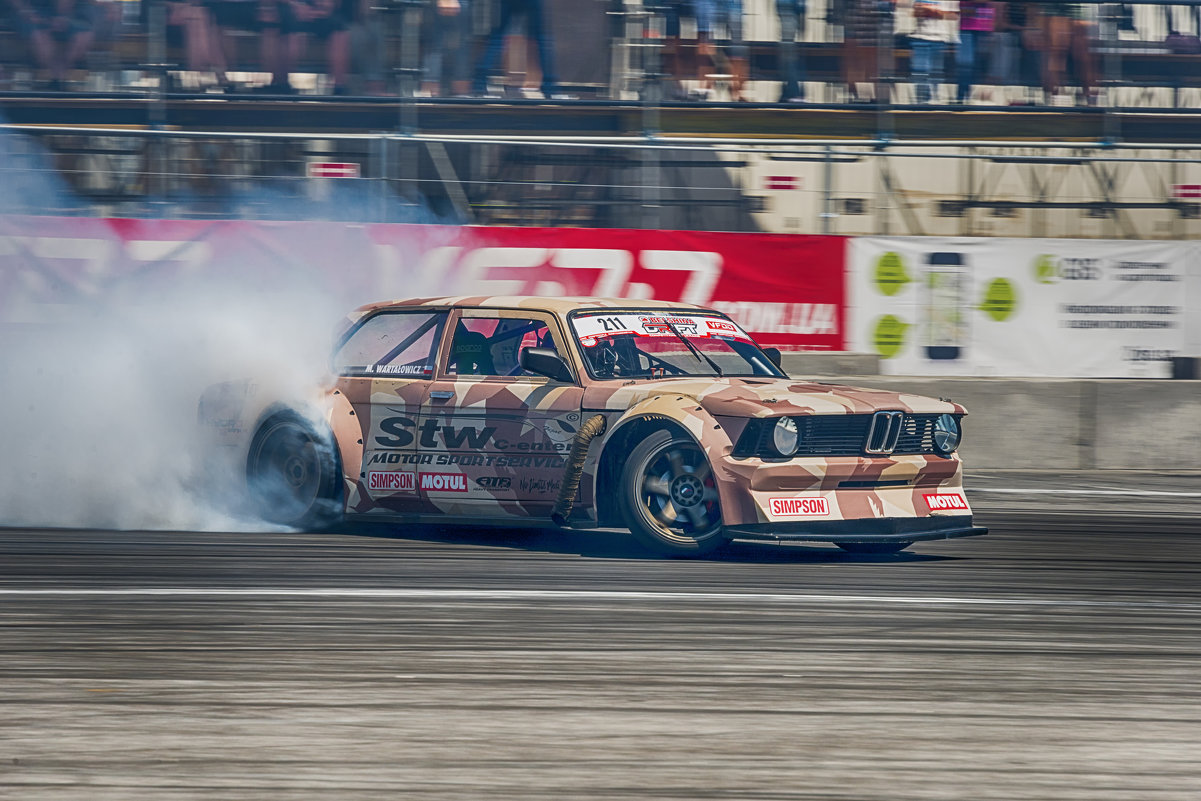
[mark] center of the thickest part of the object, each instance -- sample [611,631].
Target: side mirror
[545,361]
[773,355]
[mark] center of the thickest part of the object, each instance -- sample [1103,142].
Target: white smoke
[100,378]
[100,401]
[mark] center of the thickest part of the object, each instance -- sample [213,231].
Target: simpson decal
[391,481]
[443,482]
[946,501]
[798,507]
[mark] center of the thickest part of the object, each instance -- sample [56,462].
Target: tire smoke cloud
[108,339]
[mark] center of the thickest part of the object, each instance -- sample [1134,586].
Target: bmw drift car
[665,419]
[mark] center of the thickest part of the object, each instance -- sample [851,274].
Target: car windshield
[657,344]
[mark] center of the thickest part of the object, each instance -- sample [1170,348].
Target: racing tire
[668,496]
[293,474]
[873,547]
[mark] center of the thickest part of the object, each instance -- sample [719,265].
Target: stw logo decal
[946,501]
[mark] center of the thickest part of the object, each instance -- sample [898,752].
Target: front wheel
[668,496]
[873,547]
[293,473]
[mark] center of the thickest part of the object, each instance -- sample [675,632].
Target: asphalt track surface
[1059,657]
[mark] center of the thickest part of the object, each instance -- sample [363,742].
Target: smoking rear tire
[293,473]
[668,496]
[873,547]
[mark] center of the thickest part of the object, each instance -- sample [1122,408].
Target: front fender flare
[687,413]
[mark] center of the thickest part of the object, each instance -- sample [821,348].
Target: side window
[491,345]
[400,344]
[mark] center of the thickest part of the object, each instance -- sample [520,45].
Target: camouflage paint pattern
[493,448]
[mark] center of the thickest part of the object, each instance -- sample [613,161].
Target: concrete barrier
[1068,424]
[829,363]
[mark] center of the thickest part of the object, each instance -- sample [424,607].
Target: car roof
[559,305]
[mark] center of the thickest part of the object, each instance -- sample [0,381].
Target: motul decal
[798,507]
[391,481]
[946,501]
[443,482]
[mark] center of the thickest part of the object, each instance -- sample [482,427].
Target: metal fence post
[827,215]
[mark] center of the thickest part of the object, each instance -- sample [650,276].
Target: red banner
[786,290]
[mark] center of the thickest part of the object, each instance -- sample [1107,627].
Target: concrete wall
[1066,424]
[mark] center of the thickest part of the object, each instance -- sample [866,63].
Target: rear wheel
[873,547]
[668,496]
[293,473]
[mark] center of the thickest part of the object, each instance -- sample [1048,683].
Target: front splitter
[880,529]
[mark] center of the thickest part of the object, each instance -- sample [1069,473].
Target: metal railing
[860,187]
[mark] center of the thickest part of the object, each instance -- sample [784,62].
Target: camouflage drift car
[661,418]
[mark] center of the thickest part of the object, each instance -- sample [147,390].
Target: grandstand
[1010,162]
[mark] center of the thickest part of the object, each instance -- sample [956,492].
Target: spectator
[1191,13]
[731,59]
[539,31]
[1084,31]
[1065,28]
[976,18]
[327,21]
[260,18]
[190,21]
[368,46]
[928,42]
[867,46]
[1006,45]
[59,32]
[792,65]
[674,12]
[446,47]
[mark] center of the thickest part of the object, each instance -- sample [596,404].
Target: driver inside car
[615,357]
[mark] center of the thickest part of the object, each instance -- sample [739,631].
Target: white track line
[566,595]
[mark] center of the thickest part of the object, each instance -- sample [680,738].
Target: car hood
[763,397]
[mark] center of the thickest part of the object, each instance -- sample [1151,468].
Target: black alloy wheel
[669,496]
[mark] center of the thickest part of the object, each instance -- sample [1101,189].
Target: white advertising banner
[1020,307]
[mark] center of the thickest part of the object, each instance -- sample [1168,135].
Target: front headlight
[947,434]
[784,436]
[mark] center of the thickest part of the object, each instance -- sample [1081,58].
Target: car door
[386,367]
[493,437]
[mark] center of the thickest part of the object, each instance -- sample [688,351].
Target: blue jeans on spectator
[970,43]
[926,67]
[792,67]
[537,29]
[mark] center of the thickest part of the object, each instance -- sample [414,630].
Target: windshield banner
[591,328]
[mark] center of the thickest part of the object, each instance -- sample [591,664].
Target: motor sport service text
[798,507]
[947,501]
[590,328]
[400,436]
[469,460]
